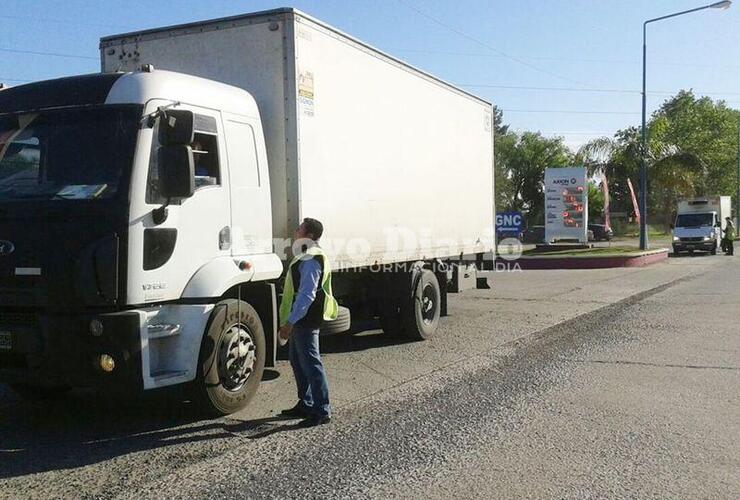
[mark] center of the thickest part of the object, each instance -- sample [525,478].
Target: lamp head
[725,4]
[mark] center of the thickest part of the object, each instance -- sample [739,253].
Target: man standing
[307,301]
[728,240]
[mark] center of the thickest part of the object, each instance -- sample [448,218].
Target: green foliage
[691,151]
[595,202]
[521,160]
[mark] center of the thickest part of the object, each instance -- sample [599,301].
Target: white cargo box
[371,146]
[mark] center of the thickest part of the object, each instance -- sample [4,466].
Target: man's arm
[310,271]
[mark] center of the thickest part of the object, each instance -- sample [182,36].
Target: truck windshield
[80,153]
[695,220]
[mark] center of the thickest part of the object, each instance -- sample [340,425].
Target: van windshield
[695,220]
[78,153]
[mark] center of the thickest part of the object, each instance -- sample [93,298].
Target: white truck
[700,223]
[146,212]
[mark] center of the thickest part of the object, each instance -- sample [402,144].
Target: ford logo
[6,247]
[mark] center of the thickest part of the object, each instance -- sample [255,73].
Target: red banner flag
[607,217]
[634,201]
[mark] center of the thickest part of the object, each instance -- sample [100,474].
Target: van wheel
[421,316]
[231,360]
[341,324]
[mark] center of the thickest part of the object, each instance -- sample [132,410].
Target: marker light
[106,363]
[96,328]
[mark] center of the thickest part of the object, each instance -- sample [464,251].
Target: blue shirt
[310,271]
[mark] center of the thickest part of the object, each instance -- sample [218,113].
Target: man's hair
[313,227]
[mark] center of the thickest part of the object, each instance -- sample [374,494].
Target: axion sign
[566,204]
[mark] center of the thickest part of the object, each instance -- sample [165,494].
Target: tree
[521,162]
[498,121]
[595,202]
[691,151]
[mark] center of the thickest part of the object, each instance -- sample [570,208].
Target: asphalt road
[568,384]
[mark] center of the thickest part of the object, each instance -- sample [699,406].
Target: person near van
[728,240]
[307,301]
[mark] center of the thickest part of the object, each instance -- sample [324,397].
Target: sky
[569,68]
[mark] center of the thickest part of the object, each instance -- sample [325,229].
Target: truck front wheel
[231,360]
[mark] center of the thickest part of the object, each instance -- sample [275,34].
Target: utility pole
[737,180]
[724,4]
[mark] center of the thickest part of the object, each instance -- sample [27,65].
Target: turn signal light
[106,363]
[245,265]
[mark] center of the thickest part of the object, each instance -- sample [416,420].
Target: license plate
[6,341]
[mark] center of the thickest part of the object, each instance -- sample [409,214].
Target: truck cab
[135,215]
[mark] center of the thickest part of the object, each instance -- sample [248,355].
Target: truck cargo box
[382,153]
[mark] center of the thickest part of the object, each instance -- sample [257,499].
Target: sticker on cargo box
[306,92]
[488,121]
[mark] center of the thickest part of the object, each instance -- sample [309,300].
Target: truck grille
[17,318]
[693,239]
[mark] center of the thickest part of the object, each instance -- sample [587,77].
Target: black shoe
[314,420]
[298,411]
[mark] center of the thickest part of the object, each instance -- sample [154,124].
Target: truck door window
[242,154]
[205,153]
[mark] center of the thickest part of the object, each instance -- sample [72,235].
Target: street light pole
[643,153]
[737,183]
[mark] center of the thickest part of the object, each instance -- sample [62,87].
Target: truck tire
[341,324]
[713,251]
[420,315]
[231,360]
[39,393]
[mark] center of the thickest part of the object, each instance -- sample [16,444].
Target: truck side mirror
[177,127]
[176,171]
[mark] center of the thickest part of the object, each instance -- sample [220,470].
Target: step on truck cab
[146,212]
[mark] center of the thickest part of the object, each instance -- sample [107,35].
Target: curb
[590,262]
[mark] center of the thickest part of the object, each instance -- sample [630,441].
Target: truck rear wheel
[421,315]
[231,360]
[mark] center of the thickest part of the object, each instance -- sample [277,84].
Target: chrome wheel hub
[236,357]
[428,305]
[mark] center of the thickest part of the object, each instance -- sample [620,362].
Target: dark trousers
[310,376]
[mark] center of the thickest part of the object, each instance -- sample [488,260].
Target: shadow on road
[673,255]
[84,428]
[363,336]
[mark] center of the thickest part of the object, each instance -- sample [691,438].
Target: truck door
[251,216]
[196,229]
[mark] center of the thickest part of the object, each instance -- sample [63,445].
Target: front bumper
[49,349]
[702,246]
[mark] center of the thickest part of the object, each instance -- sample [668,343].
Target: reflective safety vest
[730,232]
[328,310]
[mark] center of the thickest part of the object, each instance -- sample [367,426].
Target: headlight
[676,238]
[708,238]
